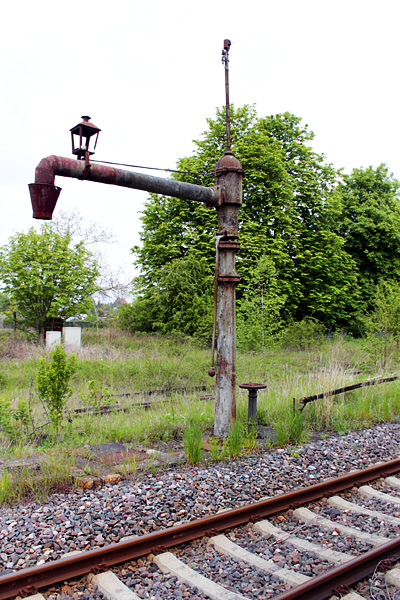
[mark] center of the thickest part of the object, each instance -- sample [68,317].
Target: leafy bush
[303,335]
[53,382]
[14,422]
[382,325]
[98,395]
[180,302]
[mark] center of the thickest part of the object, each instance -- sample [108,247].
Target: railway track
[273,548]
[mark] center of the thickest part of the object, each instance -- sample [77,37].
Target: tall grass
[192,440]
[127,363]
[336,363]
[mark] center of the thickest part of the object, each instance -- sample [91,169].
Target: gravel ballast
[34,533]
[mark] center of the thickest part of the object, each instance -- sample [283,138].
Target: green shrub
[53,382]
[98,395]
[14,422]
[6,426]
[303,335]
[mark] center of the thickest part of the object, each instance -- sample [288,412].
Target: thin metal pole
[225,62]
[262,314]
[211,371]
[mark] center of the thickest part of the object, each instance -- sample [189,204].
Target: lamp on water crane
[44,195]
[81,136]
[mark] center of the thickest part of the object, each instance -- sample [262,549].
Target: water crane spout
[44,198]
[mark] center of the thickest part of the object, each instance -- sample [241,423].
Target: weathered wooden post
[229,180]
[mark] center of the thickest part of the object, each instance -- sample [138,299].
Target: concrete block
[34,597]
[307,516]
[168,563]
[225,546]
[393,577]
[71,336]
[53,338]
[370,492]
[266,528]
[112,587]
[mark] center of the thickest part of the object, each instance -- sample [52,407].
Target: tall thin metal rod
[211,371]
[225,62]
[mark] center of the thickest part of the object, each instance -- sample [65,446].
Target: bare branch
[72,222]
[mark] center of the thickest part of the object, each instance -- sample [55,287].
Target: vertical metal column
[229,179]
[252,408]
[252,411]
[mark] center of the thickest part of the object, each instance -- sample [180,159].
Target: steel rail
[337,579]
[348,388]
[31,579]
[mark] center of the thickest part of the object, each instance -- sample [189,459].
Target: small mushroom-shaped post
[253,389]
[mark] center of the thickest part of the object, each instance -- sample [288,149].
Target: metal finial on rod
[225,62]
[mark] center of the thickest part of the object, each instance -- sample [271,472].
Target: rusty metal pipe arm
[51,166]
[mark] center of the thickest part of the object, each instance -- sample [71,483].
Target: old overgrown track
[30,580]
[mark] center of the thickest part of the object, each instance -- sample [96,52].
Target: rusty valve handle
[211,370]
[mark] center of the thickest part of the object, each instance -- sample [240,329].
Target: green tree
[382,324]
[4,302]
[370,227]
[289,214]
[179,301]
[47,276]
[258,311]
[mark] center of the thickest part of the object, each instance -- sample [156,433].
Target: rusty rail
[145,403]
[337,579]
[306,399]
[30,580]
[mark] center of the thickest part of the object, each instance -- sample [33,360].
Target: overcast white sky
[150,73]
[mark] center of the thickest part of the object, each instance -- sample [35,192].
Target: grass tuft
[192,441]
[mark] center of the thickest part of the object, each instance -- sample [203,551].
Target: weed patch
[56,474]
[111,364]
